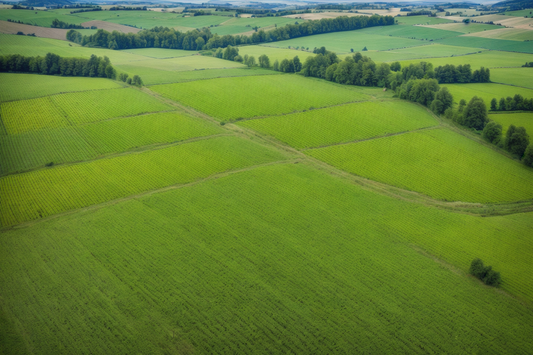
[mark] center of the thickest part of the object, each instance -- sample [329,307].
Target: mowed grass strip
[69,144]
[46,192]
[438,163]
[343,123]
[276,259]
[244,97]
[29,86]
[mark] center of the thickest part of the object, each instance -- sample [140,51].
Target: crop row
[41,193]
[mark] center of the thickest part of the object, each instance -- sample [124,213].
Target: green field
[30,196]
[511,34]
[34,149]
[486,91]
[466,27]
[524,119]
[343,123]
[183,76]
[28,86]
[239,25]
[231,98]
[519,13]
[219,268]
[421,53]
[438,163]
[38,18]
[413,32]
[514,76]
[75,108]
[274,53]
[160,53]
[420,20]
[489,43]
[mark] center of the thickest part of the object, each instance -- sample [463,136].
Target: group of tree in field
[485,273]
[164,37]
[528,65]
[449,73]
[53,64]
[518,102]
[426,92]
[61,24]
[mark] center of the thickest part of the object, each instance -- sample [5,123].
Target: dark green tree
[264,61]
[475,114]
[493,132]
[501,105]
[528,156]
[516,140]
[445,97]
[494,104]
[396,66]
[477,268]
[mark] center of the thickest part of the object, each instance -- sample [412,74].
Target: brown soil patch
[108,26]
[13,28]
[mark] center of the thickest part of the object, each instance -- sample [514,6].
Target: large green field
[489,43]
[343,123]
[38,18]
[485,58]
[438,163]
[244,97]
[486,91]
[241,25]
[514,76]
[276,259]
[421,53]
[274,53]
[524,119]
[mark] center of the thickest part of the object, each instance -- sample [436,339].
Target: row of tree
[485,273]
[450,73]
[426,92]
[62,24]
[518,102]
[164,37]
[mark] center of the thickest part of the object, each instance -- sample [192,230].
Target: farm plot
[421,53]
[511,34]
[514,76]
[413,32]
[489,43]
[438,163]
[244,97]
[518,119]
[42,193]
[28,86]
[486,91]
[191,75]
[464,27]
[421,20]
[160,53]
[343,123]
[37,18]
[274,53]
[240,25]
[70,144]
[344,42]
[30,115]
[220,260]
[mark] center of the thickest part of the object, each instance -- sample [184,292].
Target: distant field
[28,86]
[75,108]
[486,91]
[245,97]
[274,53]
[160,53]
[421,52]
[239,25]
[518,119]
[511,34]
[464,27]
[416,32]
[70,144]
[221,260]
[487,59]
[514,76]
[489,43]
[183,76]
[343,123]
[519,13]
[421,20]
[438,163]
[343,42]
[30,196]
[38,18]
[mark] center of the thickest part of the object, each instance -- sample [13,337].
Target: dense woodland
[164,37]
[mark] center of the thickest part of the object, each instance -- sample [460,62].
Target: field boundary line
[148,193]
[216,77]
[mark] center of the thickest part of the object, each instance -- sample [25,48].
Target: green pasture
[28,86]
[343,42]
[439,163]
[489,43]
[277,259]
[514,76]
[519,13]
[34,149]
[420,20]
[466,27]
[522,119]
[160,53]
[423,52]
[237,25]
[183,76]
[29,196]
[487,59]
[38,17]
[343,123]
[245,97]
[413,32]
[274,53]
[76,108]
[486,91]
[511,34]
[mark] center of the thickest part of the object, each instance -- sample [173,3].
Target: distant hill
[47,3]
[514,4]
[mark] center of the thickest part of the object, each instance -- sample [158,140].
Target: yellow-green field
[518,119]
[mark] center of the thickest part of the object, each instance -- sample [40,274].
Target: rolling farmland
[514,76]
[518,119]
[428,161]
[486,91]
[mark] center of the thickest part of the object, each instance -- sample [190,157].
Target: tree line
[164,37]
[518,102]
[449,73]
[62,24]
[485,273]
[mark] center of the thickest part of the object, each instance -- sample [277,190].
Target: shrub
[485,274]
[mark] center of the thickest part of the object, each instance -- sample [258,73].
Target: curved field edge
[282,258]
[436,162]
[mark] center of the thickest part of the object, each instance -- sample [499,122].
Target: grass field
[511,34]
[28,86]
[486,91]
[464,27]
[518,119]
[219,268]
[514,76]
[343,123]
[239,25]
[421,53]
[231,98]
[75,108]
[438,163]
[274,53]
[38,18]
[414,32]
[30,196]
[519,13]
[70,144]
[420,20]
[489,43]
[160,53]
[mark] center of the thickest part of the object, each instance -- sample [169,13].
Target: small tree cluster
[518,102]
[428,93]
[288,65]
[61,24]
[485,274]
[461,74]
[135,80]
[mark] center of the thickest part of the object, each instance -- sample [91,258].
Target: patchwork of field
[34,149]
[489,43]
[219,268]
[421,20]
[183,76]
[421,52]
[513,76]
[486,91]
[524,119]
[487,59]
[239,25]
[464,27]
[519,13]
[28,86]
[30,196]
[511,34]
[38,18]
[344,123]
[229,98]
[108,26]
[274,53]
[508,21]
[438,163]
